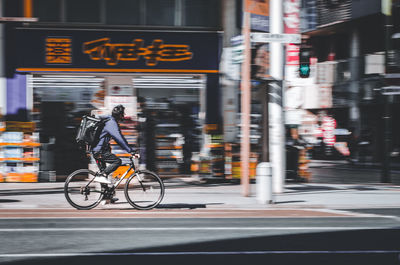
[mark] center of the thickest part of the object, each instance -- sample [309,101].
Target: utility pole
[245,106]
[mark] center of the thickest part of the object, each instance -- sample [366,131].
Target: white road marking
[186,228]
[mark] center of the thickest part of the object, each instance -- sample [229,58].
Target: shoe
[113,200]
[102,179]
[109,201]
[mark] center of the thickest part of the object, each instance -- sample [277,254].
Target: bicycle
[144,190]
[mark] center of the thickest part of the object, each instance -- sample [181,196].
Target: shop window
[47,10]
[83,11]
[160,12]
[123,12]
[202,13]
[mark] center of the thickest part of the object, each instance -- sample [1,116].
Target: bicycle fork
[140,179]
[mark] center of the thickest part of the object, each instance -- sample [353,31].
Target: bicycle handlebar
[137,156]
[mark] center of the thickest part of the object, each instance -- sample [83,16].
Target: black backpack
[89,131]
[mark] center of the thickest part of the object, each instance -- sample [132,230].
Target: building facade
[349,45]
[158,58]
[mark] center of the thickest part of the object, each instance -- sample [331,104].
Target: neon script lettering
[112,53]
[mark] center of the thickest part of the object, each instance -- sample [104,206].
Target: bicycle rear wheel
[81,192]
[144,190]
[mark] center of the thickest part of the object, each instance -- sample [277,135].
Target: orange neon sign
[112,53]
[58,50]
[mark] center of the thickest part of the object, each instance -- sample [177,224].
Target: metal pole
[276,136]
[264,94]
[385,177]
[245,102]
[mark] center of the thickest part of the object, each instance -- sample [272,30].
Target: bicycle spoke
[144,191]
[81,191]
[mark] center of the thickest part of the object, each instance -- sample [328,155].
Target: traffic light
[304,65]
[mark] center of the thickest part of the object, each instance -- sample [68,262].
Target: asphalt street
[344,240]
[324,221]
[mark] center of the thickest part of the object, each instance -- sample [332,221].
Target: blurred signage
[258,7]
[116,51]
[328,129]
[291,19]
[291,16]
[58,50]
[112,53]
[292,54]
[237,54]
[237,49]
[274,37]
[119,86]
[258,22]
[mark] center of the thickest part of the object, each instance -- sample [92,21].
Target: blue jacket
[111,130]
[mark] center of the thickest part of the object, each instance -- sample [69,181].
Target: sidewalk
[188,193]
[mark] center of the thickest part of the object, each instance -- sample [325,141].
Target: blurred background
[175,65]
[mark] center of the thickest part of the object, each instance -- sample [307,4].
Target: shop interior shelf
[23,144]
[19,159]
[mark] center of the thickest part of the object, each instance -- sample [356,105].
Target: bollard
[264,183]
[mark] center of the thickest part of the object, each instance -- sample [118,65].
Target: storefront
[168,82]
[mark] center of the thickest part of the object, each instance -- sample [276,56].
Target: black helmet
[118,112]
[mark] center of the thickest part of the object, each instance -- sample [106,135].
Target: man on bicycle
[102,151]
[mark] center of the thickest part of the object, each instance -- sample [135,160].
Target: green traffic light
[304,70]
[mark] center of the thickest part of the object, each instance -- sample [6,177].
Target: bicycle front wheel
[144,190]
[81,191]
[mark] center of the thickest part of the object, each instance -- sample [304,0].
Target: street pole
[276,136]
[264,94]
[245,105]
[385,177]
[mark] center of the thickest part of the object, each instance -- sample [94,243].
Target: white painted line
[184,253]
[185,228]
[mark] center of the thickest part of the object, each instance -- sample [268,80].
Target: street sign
[272,37]
[19,19]
[237,54]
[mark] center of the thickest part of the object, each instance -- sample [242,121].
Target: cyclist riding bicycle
[102,151]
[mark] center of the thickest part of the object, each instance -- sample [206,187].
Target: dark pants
[107,157]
